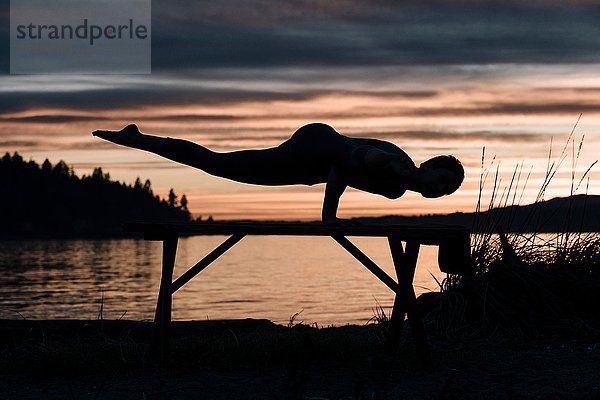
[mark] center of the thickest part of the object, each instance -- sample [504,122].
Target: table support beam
[205,262]
[367,262]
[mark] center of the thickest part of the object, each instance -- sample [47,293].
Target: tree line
[52,201]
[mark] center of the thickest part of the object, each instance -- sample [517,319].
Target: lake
[261,277]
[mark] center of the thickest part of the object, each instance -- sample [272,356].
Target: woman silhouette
[315,153]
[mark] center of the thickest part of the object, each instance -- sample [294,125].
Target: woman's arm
[334,189]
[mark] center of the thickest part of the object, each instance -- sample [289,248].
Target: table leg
[405,263]
[162,316]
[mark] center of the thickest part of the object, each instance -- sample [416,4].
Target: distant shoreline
[561,214]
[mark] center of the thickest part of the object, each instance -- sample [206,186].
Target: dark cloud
[260,33]
[152,94]
[158,95]
[126,97]
[193,117]
[61,119]
[436,135]
[261,42]
[542,108]
[18,143]
[562,90]
[362,33]
[515,108]
[419,94]
[52,119]
[4,36]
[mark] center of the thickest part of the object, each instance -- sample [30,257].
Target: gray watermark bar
[80,37]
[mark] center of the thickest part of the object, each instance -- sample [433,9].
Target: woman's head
[440,176]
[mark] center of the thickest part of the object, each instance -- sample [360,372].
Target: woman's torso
[316,148]
[382,180]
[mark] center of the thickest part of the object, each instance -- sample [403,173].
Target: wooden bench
[453,257]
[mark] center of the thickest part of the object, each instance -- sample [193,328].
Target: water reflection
[261,277]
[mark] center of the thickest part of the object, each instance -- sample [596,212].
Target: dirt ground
[255,359]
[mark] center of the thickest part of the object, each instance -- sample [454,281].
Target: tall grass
[522,280]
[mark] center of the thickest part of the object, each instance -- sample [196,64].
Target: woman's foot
[128,136]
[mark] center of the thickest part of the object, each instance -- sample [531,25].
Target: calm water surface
[261,277]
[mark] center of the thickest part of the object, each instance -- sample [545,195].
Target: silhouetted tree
[183,204]
[99,175]
[147,186]
[61,168]
[46,165]
[172,198]
[17,159]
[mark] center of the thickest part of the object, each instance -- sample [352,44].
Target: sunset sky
[434,77]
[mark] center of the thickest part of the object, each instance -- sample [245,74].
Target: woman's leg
[264,167]
[179,150]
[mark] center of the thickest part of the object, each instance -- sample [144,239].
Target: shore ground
[256,359]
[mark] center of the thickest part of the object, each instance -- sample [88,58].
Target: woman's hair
[449,163]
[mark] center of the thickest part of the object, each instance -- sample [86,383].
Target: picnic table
[453,257]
